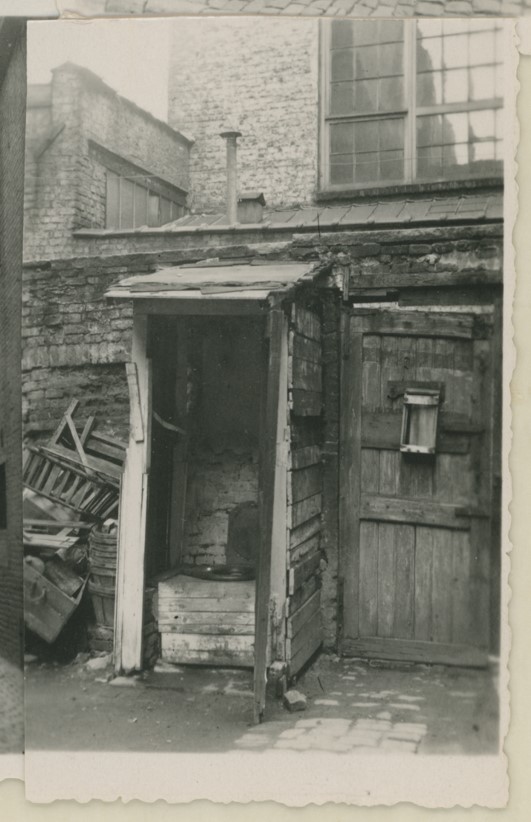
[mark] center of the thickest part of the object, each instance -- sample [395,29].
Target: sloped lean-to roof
[216,281]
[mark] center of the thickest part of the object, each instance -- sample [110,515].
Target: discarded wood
[220,605]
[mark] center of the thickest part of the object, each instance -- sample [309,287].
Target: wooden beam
[277,330]
[415,651]
[217,307]
[135,411]
[132,523]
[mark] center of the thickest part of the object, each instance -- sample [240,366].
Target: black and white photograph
[256,364]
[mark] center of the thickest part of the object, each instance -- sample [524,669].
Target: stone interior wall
[259,75]
[223,461]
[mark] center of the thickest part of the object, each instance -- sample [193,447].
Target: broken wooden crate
[79,468]
[47,608]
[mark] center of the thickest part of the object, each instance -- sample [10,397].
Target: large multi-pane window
[407,101]
[131,204]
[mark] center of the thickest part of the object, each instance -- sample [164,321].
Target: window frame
[410,112]
[174,204]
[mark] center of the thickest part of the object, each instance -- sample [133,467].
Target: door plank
[442,584]
[296,622]
[421,512]
[423,583]
[368,583]
[386,578]
[389,471]
[416,651]
[419,324]
[350,471]
[404,581]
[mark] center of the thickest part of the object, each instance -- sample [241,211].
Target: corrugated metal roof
[214,280]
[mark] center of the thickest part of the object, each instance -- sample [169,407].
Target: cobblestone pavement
[11,709]
[352,708]
[357,8]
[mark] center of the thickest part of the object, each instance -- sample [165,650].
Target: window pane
[391,59]
[429,89]
[455,128]
[140,205]
[392,165]
[127,200]
[165,211]
[481,124]
[341,138]
[112,205]
[429,54]
[342,98]
[366,96]
[390,94]
[482,83]
[153,209]
[429,162]
[455,51]
[367,62]
[342,34]
[391,134]
[483,151]
[342,170]
[367,167]
[366,136]
[365,32]
[481,48]
[429,28]
[342,65]
[455,86]
[429,131]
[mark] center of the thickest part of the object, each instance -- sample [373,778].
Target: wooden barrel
[103,603]
[102,580]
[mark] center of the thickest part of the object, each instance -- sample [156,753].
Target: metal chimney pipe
[231,136]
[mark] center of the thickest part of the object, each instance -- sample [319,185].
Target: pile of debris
[78,469]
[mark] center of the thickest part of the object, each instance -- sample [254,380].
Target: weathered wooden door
[415,529]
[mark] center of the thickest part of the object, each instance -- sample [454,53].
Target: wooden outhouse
[224,456]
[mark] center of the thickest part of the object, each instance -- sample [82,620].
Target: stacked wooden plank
[204,622]
[77,468]
[304,491]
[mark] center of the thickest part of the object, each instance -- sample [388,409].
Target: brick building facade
[95,159]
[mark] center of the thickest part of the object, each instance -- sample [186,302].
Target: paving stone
[295,701]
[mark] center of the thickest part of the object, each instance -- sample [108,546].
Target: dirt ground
[352,706]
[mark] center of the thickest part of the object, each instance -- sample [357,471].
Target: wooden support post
[278,329]
[132,523]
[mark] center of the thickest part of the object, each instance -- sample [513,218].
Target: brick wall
[76,345]
[259,74]
[12,108]
[65,174]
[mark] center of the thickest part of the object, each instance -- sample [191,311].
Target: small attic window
[419,421]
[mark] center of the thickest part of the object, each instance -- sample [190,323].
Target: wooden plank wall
[304,488]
